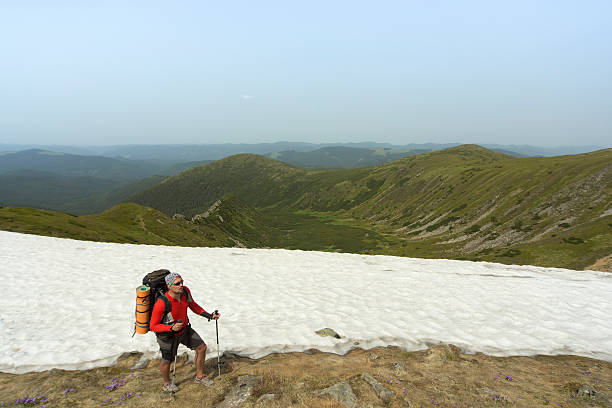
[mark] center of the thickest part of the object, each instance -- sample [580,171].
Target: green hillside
[32,188]
[124,223]
[465,202]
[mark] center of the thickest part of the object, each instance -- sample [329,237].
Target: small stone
[586,391]
[266,397]
[327,332]
[342,392]
[241,391]
[400,367]
[383,393]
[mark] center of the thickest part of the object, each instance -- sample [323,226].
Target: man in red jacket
[174,328]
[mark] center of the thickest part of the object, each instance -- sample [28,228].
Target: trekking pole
[175,354]
[217,328]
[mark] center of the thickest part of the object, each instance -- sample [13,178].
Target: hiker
[174,328]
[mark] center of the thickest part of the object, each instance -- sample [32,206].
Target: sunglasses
[179,283]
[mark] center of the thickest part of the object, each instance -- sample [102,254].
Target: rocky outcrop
[341,392]
[241,392]
[384,394]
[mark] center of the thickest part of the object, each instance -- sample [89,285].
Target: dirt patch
[441,376]
[604,264]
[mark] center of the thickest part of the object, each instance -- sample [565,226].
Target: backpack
[155,280]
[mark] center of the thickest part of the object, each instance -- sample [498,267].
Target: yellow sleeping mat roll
[143,302]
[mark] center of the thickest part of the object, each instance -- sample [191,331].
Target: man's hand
[215,316]
[177,326]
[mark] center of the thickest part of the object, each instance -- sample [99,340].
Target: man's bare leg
[164,367]
[200,358]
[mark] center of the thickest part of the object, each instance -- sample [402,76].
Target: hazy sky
[114,72]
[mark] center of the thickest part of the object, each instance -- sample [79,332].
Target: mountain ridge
[462,201]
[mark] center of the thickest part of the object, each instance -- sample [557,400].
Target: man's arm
[156,316]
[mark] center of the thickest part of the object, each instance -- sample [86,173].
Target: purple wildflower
[509,378]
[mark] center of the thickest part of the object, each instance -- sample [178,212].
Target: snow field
[70,304]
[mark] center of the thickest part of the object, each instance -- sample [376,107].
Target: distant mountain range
[75,183]
[342,157]
[171,154]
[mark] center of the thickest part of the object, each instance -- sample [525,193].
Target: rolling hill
[131,223]
[464,202]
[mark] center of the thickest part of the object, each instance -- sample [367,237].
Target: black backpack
[156,281]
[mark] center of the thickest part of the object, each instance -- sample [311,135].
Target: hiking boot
[170,388]
[204,381]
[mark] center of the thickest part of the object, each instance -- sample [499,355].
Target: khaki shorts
[168,343]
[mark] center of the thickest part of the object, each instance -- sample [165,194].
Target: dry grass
[438,377]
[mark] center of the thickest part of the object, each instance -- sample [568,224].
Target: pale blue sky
[114,72]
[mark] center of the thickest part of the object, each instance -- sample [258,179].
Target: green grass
[299,230]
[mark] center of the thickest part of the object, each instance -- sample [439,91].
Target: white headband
[171,277]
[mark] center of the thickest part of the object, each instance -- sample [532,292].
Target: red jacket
[178,311]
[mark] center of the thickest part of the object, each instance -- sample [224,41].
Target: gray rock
[141,363]
[586,391]
[383,393]
[166,397]
[266,397]
[342,392]
[488,391]
[328,332]
[241,392]
[228,355]
[400,367]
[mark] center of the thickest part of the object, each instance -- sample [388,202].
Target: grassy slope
[125,223]
[464,202]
